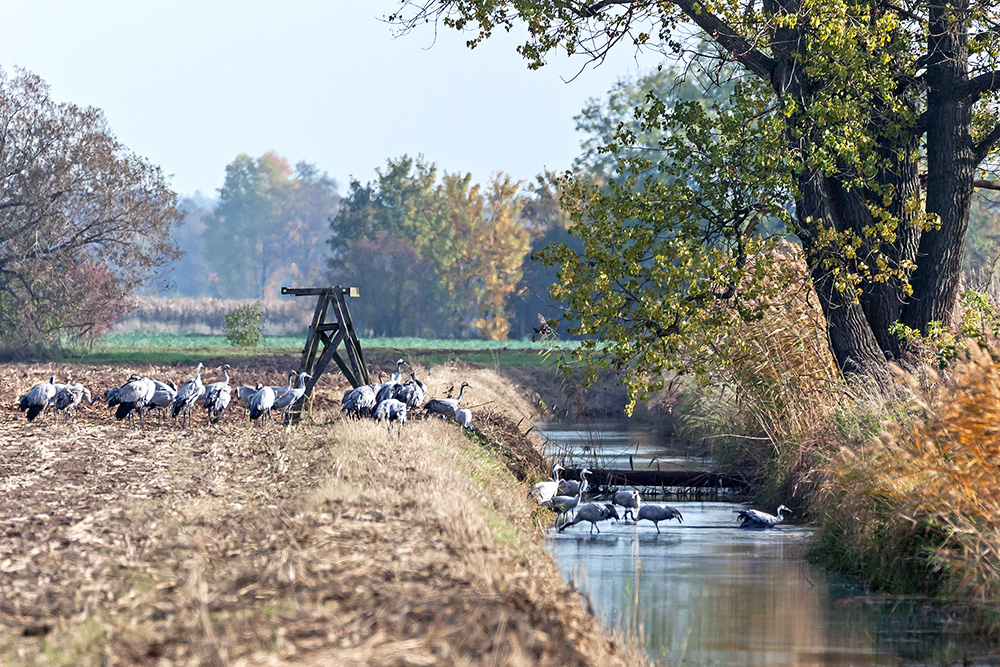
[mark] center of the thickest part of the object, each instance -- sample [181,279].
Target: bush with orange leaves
[918,508]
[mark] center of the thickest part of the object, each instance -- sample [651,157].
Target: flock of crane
[562,496]
[140,395]
[386,401]
[391,400]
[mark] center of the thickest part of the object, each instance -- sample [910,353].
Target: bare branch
[983,148]
[986,185]
[742,50]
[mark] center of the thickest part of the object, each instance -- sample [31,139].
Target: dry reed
[918,508]
[768,410]
[204,315]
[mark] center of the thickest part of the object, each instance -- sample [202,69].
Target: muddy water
[708,593]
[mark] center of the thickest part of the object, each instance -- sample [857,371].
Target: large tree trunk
[883,301]
[825,202]
[852,341]
[951,165]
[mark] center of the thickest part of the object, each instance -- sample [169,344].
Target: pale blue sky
[192,84]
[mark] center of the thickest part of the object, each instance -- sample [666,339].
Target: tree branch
[986,185]
[983,148]
[742,50]
[593,9]
[975,87]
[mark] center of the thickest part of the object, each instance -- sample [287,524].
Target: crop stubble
[330,543]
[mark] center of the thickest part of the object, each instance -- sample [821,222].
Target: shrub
[244,326]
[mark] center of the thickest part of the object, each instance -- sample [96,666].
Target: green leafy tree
[602,121]
[371,246]
[398,292]
[476,242]
[547,223]
[268,227]
[83,221]
[873,120]
[468,240]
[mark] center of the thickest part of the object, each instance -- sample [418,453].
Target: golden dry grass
[923,499]
[768,410]
[330,543]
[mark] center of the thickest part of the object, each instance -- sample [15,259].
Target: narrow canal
[706,592]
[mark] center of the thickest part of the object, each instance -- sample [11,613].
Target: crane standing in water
[658,513]
[593,513]
[758,519]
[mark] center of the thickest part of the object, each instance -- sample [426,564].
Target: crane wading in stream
[330,328]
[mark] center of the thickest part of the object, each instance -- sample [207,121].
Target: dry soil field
[328,543]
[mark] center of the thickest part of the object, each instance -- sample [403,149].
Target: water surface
[706,592]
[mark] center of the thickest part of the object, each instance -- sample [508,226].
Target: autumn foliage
[919,505]
[431,257]
[83,221]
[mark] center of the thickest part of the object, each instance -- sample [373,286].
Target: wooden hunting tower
[329,333]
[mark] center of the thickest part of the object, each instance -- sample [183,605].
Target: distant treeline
[433,255]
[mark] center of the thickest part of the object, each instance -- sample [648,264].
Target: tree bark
[883,301]
[852,340]
[951,165]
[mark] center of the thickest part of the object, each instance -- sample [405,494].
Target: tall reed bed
[204,315]
[770,410]
[904,486]
[917,508]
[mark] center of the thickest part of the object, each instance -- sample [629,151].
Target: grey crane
[446,407]
[280,390]
[397,377]
[218,395]
[261,402]
[563,505]
[162,398]
[568,487]
[542,492]
[758,519]
[412,392]
[217,404]
[464,418]
[111,396]
[593,513]
[187,396]
[360,401]
[658,513]
[134,396]
[391,410]
[288,399]
[391,387]
[629,500]
[70,396]
[38,398]
[244,394]
[212,389]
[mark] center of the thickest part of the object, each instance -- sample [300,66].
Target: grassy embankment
[331,543]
